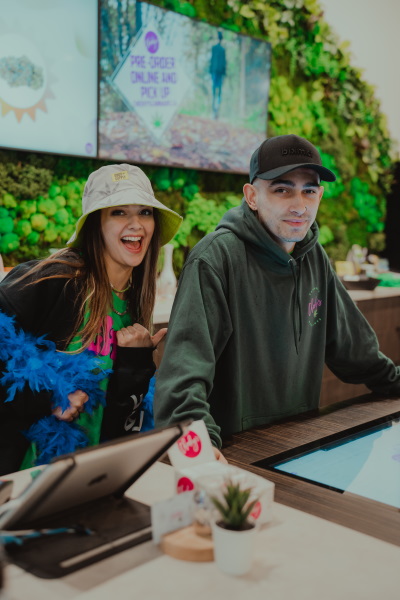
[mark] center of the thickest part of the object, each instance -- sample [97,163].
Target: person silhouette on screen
[218,72]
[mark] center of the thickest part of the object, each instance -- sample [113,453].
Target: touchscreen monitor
[364,462]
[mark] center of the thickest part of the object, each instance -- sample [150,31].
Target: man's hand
[77,401]
[219,456]
[137,336]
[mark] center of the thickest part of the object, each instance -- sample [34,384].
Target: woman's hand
[137,336]
[77,401]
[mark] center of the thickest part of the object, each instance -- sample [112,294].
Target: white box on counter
[196,468]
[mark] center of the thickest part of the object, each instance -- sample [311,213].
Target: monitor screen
[48,75]
[366,463]
[176,91]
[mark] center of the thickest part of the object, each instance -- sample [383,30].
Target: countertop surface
[297,556]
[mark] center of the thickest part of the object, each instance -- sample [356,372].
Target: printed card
[193,448]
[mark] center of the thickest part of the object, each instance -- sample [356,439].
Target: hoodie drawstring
[296,305]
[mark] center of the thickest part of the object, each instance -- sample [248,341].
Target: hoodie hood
[244,224]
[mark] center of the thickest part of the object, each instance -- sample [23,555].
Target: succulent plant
[235,507]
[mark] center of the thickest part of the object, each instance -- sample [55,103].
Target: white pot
[233,550]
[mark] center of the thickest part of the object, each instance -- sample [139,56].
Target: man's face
[286,206]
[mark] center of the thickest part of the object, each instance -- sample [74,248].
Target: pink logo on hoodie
[313,307]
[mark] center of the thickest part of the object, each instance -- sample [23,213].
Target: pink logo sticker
[184,485]
[256,512]
[190,444]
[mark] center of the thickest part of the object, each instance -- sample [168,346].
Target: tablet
[88,475]
[364,460]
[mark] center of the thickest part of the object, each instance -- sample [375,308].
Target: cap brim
[325,174]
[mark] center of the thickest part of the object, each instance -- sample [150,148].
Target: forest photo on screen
[176,91]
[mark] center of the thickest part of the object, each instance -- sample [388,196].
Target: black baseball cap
[283,153]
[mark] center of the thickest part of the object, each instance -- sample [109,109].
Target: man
[259,308]
[218,72]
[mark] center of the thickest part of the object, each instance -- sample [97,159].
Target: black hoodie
[251,329]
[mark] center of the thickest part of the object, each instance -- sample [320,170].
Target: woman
[97,295]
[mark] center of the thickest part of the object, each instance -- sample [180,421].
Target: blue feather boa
[147,407]
[35,362]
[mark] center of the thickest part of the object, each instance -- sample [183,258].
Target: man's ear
[250,195]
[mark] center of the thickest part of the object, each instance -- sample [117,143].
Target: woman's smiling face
[127,231]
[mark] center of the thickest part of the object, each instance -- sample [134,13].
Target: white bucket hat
[119,185]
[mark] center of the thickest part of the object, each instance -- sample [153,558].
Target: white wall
[373,29]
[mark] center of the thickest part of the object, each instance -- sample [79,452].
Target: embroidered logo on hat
[300,151]
[119,176]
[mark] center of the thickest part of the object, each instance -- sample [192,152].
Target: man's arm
[352,351]
[198,331]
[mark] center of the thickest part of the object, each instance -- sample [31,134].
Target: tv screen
[176,91]
[48,76]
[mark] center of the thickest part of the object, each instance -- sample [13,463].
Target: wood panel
[364,515]
[383,314]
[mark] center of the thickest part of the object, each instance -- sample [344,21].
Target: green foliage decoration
[6,225]
[202,216]
[9,243]
[298,109]
[36,224]
[325,235]
[332,189]
[368,206]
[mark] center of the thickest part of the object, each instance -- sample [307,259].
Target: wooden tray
[186,544]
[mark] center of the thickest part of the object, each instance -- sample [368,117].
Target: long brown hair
[86,265]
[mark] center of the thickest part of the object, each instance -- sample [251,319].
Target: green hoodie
[251,328]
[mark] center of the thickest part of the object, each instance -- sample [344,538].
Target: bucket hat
[119,185]
[283,153]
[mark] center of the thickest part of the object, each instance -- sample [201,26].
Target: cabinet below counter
[381,308]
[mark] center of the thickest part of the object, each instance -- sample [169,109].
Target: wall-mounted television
[48,75]
[179,92]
